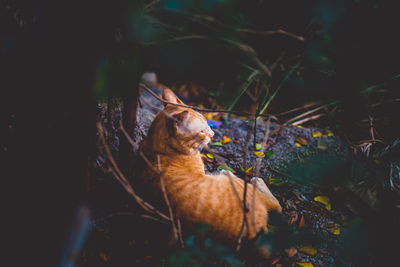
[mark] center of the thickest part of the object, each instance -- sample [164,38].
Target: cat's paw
[260,185]
[226,172]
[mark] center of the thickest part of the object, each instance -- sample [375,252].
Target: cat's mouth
[202,145]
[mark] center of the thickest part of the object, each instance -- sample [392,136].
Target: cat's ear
[169,95]
[180,119]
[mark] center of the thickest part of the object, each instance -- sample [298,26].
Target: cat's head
[188,129]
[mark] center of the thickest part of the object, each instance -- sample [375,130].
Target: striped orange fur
[172,146]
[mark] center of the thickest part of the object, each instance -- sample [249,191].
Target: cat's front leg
[227,173]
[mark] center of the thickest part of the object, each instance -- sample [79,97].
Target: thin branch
[171,213]
[263,146]
[278,32]
[292,120]
[122,179]
[245,207]
[314,117]
[258,167]
[297,109]
[240,113]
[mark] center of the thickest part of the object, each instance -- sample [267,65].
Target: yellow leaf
[203,156]
[210,156]
[324,200]
[297,144]
[249,169]
[305,264]
[299,126]
[208,116]
[308,250]
[274,181]
[336,231]
[225,140]
[259,154]
[329,133]
[316,134]
[302,141]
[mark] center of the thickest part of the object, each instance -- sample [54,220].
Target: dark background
[50,52]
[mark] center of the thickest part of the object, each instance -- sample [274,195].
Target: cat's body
[172,146]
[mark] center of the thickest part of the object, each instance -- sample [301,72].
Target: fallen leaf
[258,146]
[259,154]
[291,252]
[302,222]
[227,130]
[214,124]
[104,256]
[335,229]
[324,200]
[209,116]
[236,141]
[297,144]
[276,260]
[269,154]
[299,126]
[225,140]
[274,181]
[329,133]
[216,144]
[316,134]
[308,250]
[305,264]
[302,141]
[248,171]
[209,155]
[321,146]
[224,167]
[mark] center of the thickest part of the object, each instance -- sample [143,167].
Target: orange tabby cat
[172,146]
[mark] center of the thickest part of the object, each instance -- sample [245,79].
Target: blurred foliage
[349,53]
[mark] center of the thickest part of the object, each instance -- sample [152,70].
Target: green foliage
[202,251]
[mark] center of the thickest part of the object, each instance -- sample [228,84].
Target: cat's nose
[211,133]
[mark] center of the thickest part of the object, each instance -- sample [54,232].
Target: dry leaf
[259,154]
[209,116]
[104,256]
[334,229]
[302,222]
[329,133]
[305,264]
[302,141]
[291,252]
[297,144]
[225,140]
[324,200]
[308,250]
[316,134]
[209,155]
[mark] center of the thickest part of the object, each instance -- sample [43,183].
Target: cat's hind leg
[273,203]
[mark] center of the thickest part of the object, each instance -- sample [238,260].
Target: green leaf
[258,146]
[244,86]
[269,154]
[224,167]
[216,144]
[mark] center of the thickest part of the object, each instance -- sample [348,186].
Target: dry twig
[124,182]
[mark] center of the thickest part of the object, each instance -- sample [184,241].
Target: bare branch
[278,32]
[245,207]
[240,113]
[122,179]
